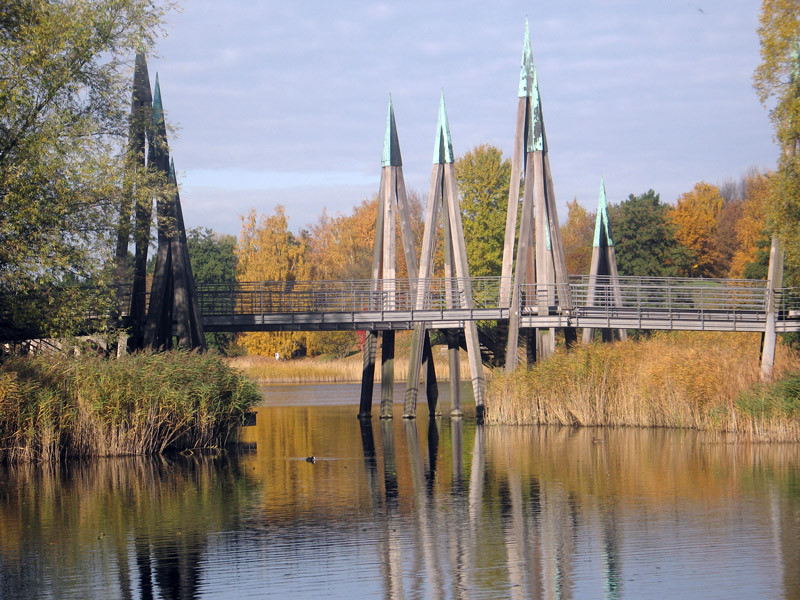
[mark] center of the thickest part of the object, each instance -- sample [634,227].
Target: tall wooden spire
[539,267]
[603,277]
[443,198]
[392,208]
[139,132]
[172,293]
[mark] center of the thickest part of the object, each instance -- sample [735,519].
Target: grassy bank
[706,381]
[53,406]
[323,369]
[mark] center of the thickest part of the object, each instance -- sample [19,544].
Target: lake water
[409,509]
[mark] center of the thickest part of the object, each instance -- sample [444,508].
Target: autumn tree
[578,236]
[483,177]
[751,225]
[644,238]
[777,82]
[64,99]
[268,251]
[695,220]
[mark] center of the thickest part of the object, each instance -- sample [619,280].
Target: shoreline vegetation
[65,406]
[695,380]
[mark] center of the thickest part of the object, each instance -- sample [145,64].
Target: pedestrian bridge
[634,303]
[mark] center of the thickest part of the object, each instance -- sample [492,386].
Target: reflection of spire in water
[392,563]
[612,578]
[426,523]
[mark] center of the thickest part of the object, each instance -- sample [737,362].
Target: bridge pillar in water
[443,199]
[604,289]
[774,282]
[393,210]
[538,266]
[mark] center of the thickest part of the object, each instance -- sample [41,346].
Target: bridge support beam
[539,270]
[774,282]
[443,197]
[393,210]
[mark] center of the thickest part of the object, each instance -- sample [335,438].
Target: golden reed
[697,380]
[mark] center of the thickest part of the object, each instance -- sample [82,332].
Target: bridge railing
[640,294]
[345,296]
[669,294]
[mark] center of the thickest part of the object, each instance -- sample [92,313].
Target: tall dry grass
[697,380]
[140,404]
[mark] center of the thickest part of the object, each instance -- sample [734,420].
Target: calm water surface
[405,509]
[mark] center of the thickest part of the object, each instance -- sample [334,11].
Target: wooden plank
[368,354]
[451,199]
[520,271]
[507,272]
[426,264]
[406,233]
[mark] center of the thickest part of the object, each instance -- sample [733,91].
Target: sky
[285,102]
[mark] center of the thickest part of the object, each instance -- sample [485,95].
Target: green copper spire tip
[172,177]
[536,139]
[602,220]
[527,70]
[158,109]
[443,147]
[391,145]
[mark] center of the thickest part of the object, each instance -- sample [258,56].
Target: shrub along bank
[55,406]
[707,381]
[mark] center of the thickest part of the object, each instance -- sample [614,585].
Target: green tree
[777,82]
[64,93]
[213,260]
[645,240]
[483,178]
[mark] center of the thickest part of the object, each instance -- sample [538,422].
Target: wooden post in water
[393,210]
[544,283]
[603,277]
[443,197]
[774,282]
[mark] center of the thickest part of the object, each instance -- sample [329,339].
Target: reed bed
[698,380]
[333,370]
[144,403]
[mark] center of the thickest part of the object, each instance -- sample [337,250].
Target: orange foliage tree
[695,220]
[578,236]
[751,226]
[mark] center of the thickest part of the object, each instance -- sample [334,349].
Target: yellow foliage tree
[695,220]
[578,234]
[751,226]
[268,251]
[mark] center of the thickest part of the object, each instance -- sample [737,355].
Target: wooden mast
[542,283]
[603,277]
[392,210]
[443,198]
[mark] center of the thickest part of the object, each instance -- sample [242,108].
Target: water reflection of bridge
[635,303]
